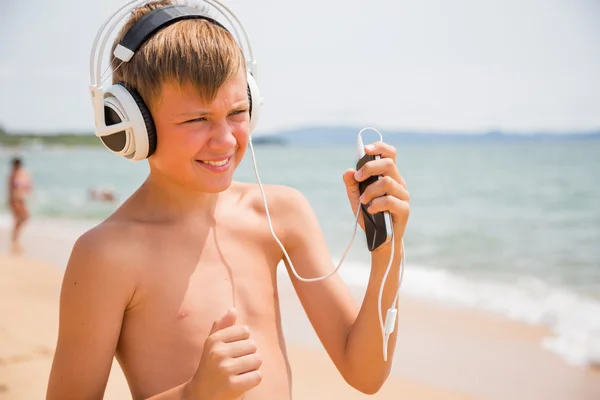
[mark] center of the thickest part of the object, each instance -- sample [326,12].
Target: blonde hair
[195,52]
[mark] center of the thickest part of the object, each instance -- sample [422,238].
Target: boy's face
[201,144]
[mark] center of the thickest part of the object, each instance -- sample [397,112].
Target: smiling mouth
[217,166]
[216,163]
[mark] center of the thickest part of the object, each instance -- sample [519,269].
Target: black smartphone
[378,227]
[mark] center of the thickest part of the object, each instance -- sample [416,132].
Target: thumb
[349,178]
[351,187]
[225,321]
[352,191]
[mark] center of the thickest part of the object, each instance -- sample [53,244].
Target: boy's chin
[216,186]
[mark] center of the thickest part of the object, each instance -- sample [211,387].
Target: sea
[509,227]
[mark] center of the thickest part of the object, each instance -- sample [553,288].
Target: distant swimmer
[19,188]
[105,195]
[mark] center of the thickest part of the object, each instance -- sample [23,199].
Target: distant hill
[347,135]
[314,136]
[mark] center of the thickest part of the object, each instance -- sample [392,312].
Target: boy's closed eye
[199,119]
[239,112]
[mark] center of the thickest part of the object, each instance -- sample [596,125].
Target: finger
[384,186]
[241,348]
[383,166]
[243,382]
[244,364]
[383,149]
[225,321]
[233,334]
[397,207]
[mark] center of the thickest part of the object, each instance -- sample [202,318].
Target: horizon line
[393,131]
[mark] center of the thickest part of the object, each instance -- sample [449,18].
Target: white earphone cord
[386,328]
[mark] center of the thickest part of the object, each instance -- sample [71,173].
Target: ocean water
[508,227]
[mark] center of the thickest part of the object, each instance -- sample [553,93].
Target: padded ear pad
[121,100]
[146,115]
[249,100]
[255,101]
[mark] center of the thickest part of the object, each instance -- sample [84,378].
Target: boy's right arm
[95,293]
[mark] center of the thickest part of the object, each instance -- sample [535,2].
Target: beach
[499,297]
[443,352]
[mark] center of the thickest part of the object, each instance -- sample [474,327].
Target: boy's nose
[222,138]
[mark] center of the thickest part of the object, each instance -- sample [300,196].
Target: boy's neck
[175,200]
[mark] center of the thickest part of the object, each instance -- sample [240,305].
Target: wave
[572,317]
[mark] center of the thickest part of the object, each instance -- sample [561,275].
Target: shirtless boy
[179,283]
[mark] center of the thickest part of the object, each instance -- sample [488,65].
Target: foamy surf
[573,318]
[5,221]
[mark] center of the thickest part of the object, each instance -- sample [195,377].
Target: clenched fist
[230,364]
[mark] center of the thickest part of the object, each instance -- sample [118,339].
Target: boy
[179,283]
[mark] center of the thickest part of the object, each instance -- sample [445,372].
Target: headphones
[123,121]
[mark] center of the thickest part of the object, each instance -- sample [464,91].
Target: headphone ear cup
[147,117]
[130,107]
[118,142]
[255,101]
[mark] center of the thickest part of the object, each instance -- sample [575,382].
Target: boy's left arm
[351,334]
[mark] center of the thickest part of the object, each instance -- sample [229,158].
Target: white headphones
[122,120]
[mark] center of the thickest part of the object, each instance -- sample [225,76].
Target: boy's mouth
[221,165]
[216,163]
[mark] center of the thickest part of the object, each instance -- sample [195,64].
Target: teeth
[216,163]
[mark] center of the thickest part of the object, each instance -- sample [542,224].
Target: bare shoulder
[105,256]
[108,242]
[290,211]
[283,201]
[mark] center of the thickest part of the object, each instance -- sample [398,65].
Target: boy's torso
[191,273]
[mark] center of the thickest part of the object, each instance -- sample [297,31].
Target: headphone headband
[240,34]
[152,22]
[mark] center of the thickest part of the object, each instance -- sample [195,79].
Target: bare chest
[188,283]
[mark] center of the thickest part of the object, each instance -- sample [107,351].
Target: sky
[421,65]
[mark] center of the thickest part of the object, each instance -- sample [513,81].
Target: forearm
[366,367]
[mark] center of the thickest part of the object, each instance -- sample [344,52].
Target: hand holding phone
[378,226]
